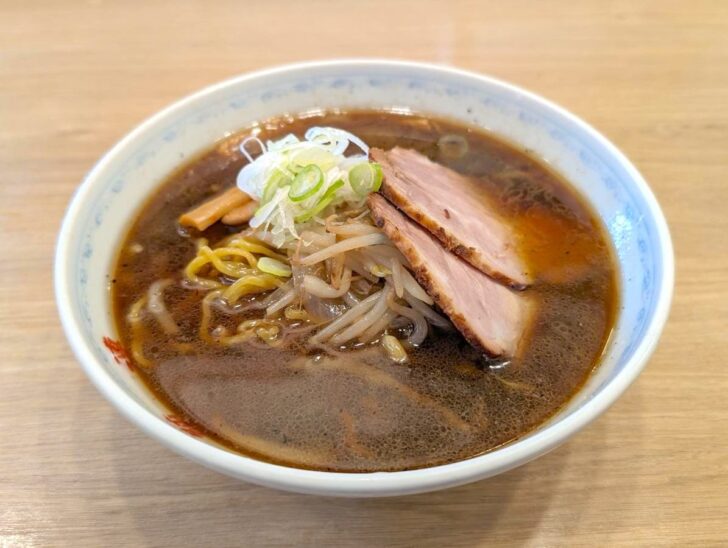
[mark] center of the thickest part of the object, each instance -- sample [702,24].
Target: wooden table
[653,76]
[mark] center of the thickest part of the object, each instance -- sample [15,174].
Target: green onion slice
[278,180]
[325,200]
[306,183]
[365,178]
[272,266]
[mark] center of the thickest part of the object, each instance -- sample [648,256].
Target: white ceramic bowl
[113,191]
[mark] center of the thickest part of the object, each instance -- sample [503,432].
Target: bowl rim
[358,484]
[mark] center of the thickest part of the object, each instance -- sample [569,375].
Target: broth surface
[344,412]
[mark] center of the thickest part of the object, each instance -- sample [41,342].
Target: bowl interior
[124,178]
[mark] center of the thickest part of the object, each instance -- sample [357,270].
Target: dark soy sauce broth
[337,418]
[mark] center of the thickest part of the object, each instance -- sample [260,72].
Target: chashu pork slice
[492,317]
[455,210]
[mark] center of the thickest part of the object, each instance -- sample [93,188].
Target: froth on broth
[354,407]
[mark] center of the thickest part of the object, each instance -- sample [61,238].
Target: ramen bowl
[105,204]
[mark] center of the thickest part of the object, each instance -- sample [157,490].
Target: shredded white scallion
[268,178]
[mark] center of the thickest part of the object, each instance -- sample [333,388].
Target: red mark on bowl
[118,352]
[184,425]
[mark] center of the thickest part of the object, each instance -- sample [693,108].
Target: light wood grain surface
[75,76]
